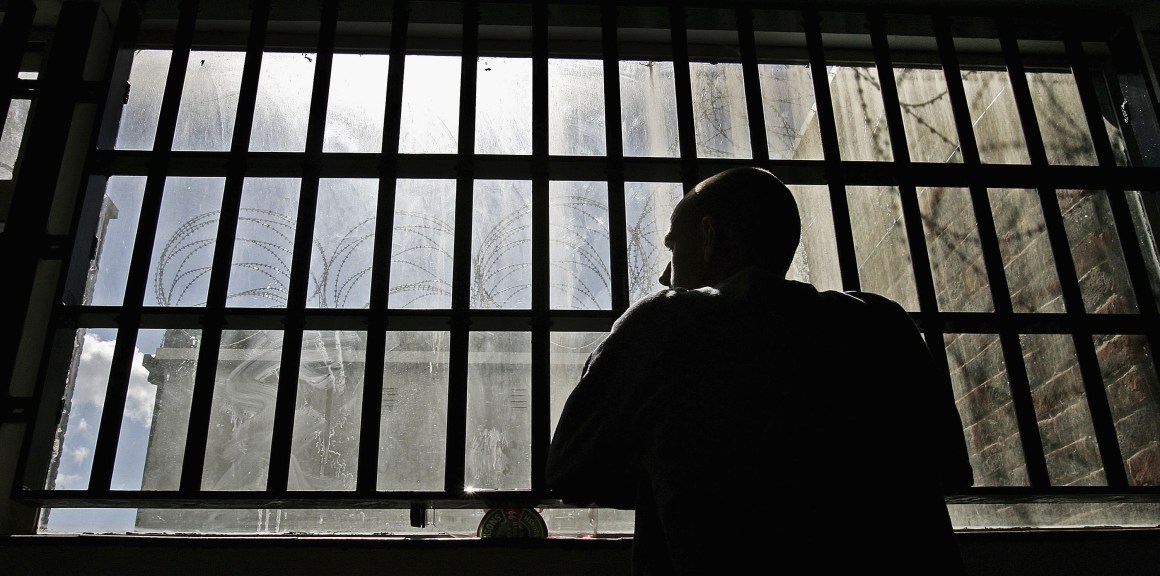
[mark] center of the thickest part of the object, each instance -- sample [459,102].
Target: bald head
[737,218]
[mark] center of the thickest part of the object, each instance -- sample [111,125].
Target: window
[363,260]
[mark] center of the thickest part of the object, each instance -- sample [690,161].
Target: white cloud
[92,380]
[80,453]
[141,395]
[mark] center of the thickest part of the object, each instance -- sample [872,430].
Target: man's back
[763,422]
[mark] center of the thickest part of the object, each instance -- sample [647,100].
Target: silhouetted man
[757,424]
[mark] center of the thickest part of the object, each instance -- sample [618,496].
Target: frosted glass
[356,103]
[116,235]
[580,273]
[952,244]
[787,98]
[816,258]
[1066,138]
[501,244]
[138,126]
[429,123]
[13,136]
[859,114]
[422,244]
[880,244]
[344,242]
[282,107]
[648,207]
[264,244]
[648,109]
[184,245]
[995,117]
[1026,251]
[413,430]
[927,116]
[499,380]
[209,101]
[576,107]
[720,117]
[503,104]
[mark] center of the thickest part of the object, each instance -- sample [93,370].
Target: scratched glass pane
[859,114]
[422,244]
[344,241]
[1066,138]
[139,115]
[151,448]
[1065,423]
[816,259]
[184,245]
[328,411]
[926,115]
[791,125]
[499,380]
[995,117]
[569,352]
[880,243]
[982,392]
[1128,370]
[81,409]
[1026,250]
[13,136]
[356,102]
[956,256]
[237,449]
[580,273]
[413,429]
[429,123]
[116,235]
[648,206]
[501,250]
[648,109]
[1096,252]
[209,101]
[503,104]
[576,107]
[264,243]
[720,118]
[282,108]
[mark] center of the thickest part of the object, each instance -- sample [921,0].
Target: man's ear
[709,238]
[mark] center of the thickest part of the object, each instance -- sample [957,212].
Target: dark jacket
[761,423]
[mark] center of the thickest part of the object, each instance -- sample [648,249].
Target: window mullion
[682,79]
[282,434]
[1064,264]
[1012,349]
[614,141]
[461,264]
[753,103]
[541,255]
[205,380]
[840,207]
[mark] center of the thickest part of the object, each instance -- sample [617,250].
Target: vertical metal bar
[1022,400]
[617,217]
[282,435]
[205,380]
[839,205]
[541,256]
[372,403]
[749,70]
[461,266]
[686,122]
[1065,267]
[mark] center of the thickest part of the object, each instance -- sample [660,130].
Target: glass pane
[344,243]
[116,235]
[1128,369]
[355,106]
[237,449]
[576,107]
[719,114]
[880,244]
[282,108]
[139,115]
[184,245]
[430,119]
[952,243]
[927,115]
[423,243]
[791,126]
[648,207]
[1055,515]
[1147,236]
[13,136]
[501,244]
[578,231]
[82,405]
[413,430]
[1026,250]
[170,360]
[816,259]
[1095,248]
[569,352]
[648,109]
[209,101]
[589,521]
[995,117]
[499,379]
[1066,138]
[264,246]
[299,521]
[1061,410]
[503,104]
[983,396]
[859,114]
[328,411]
